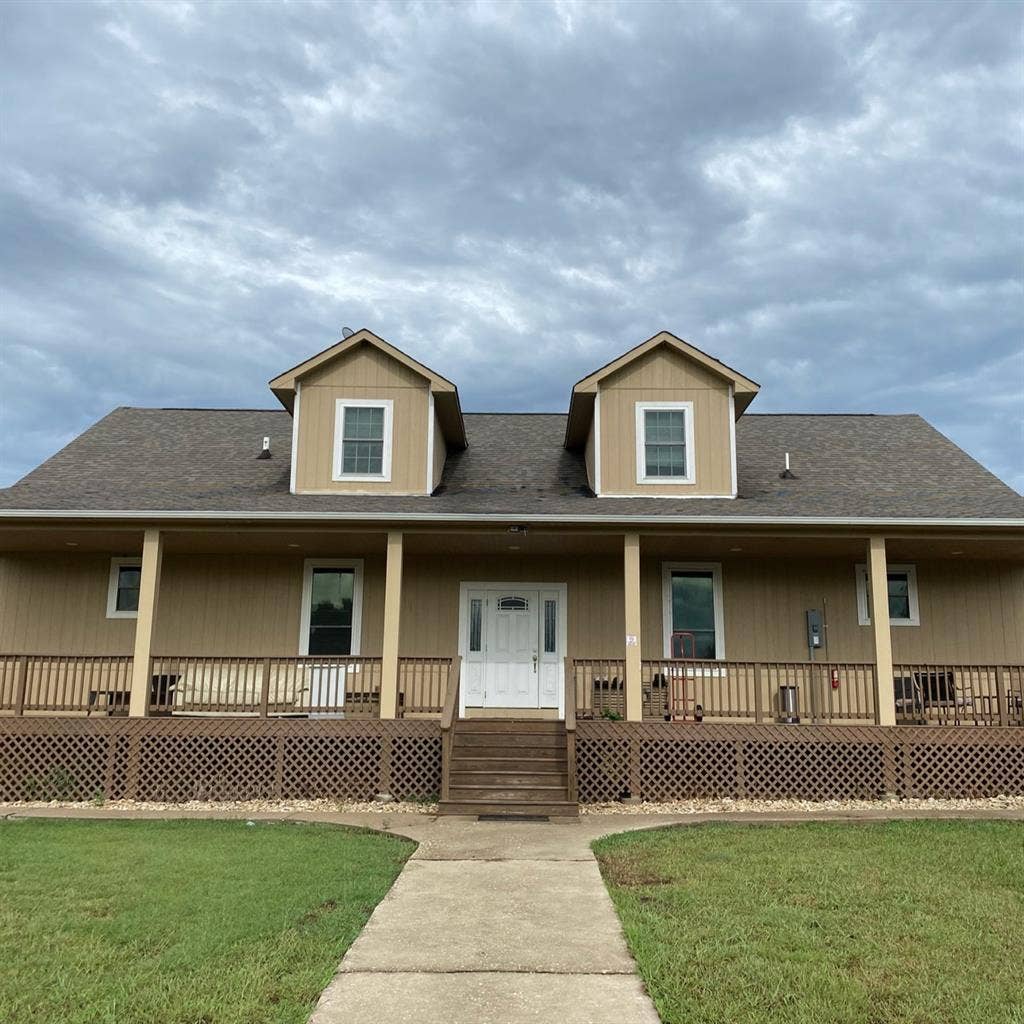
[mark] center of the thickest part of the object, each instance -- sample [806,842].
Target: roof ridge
[201,408]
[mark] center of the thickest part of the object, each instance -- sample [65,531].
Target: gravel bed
[728,806]
[723,806]
[233,806]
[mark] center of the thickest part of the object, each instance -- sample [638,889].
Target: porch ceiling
[313,542]
[69,540]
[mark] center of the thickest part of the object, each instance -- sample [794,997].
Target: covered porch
[669,626]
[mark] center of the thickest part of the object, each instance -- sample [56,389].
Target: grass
[913,922]
[180,922]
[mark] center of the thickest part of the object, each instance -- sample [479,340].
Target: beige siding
[665,376]
[250,604]
[209,604]
[430,598]
[364,373]
[56,604]
[970,612]
[440,453]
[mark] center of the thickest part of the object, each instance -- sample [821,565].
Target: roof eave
[852,522]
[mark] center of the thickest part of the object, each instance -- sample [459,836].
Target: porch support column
[149,592]
[634,692]
[879,590]
[392,614]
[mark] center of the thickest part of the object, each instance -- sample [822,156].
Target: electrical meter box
[815,638]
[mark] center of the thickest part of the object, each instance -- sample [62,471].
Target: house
[531,597]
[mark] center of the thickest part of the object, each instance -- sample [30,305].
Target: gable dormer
[368,419]
[659,421]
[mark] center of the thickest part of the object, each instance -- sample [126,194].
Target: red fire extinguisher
[835,679]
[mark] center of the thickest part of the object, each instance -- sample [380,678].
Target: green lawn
[919,922]
[180,922]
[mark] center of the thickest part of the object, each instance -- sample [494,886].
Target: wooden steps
[508,767]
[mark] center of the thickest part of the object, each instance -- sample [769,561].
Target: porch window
[331,599]
[901,586]
[693,610]
[123,588]
[664,434]
[362,439]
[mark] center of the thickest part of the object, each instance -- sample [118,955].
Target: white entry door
[513,643]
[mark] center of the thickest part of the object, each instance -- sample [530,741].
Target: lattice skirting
[175,760]
[659,762]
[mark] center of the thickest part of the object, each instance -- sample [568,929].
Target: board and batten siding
[430,598]
[57,604]
[209,604]
[665,376]
[971,611]
[364,373]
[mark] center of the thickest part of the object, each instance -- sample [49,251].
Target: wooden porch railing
[422,685]
[959,694]
[313,685]
[65,683]
[600,686]
[449,713]
[818,692]
[570,732]
[814,692]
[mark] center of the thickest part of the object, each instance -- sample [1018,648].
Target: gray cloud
[827,197]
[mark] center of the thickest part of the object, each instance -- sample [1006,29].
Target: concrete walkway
[492,923]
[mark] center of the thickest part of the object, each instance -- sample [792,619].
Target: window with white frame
[901,587]
[664,443]
[692,610]
[123,588]
[332,601]
[362,439]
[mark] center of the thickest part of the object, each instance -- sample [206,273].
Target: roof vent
[265,450]
[347,332]
[787,474]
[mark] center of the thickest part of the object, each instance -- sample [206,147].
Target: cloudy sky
[194,197]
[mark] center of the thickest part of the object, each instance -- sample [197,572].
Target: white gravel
[235,806]
[728,806]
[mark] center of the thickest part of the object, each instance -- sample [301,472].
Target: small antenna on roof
[347,332]
[787,473]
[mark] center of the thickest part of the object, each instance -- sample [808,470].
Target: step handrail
[448,715]
[569,688]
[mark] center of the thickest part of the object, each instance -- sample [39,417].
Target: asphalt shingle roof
[205,460]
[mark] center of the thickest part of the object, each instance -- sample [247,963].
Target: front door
[513,646]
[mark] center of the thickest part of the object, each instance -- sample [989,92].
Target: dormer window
[664,443]
[362,439]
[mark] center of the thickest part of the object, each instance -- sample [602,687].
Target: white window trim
[356,565]
[339,425]
[715,568]
[641,461]
[863,605]
[115,572]
[429,489]
[732,439]
[295,438]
